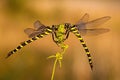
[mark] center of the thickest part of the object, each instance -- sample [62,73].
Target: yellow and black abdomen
[28,42]
[76,32]
[23,44]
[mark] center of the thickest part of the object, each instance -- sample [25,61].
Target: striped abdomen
[75,31]
[29,41]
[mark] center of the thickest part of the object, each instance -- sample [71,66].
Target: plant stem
[53,72]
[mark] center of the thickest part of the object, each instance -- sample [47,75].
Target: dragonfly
[61,32]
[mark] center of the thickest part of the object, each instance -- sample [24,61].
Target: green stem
[59,57]
[64,47]
[53,72]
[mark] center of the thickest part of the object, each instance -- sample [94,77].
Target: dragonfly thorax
[60,32]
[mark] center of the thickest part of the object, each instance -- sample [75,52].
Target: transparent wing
[84,19]
[31,32]
[97,22]
[34,34]
[81,23]
[93,32]
[39,29]
[38,25]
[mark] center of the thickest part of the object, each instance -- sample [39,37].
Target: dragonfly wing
[84,19]
[81,23]
[31,32]
[93,32]
[38,25]
[97,22]
[34,34]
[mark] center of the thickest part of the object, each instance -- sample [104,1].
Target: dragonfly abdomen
[75,31]
[24,44]
[29,41]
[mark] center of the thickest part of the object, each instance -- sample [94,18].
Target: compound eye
[56,27]
[66,25]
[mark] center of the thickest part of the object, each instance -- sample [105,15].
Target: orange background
[30,63]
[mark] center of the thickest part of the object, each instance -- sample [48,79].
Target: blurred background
[31,62]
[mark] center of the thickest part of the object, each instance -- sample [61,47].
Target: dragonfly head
[61,27]
[67,26]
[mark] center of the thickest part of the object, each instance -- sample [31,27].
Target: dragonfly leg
[67,35]
[53,37]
